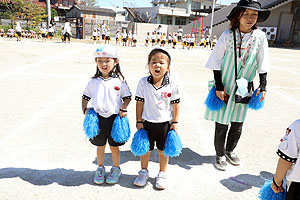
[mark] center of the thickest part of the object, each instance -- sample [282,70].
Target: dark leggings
[233,137]
[67,35]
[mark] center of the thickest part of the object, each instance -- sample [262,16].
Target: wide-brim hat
[263,14]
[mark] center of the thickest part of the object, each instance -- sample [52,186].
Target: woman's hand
[139,126]
[220,94]
[263,94]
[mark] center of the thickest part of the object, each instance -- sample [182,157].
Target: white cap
[106,51]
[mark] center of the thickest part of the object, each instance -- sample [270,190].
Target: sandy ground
[44,153]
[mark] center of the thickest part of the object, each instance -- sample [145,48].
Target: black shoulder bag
[238,98]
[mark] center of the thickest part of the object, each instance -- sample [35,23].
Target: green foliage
[26,10]
[4,27]
[54,13]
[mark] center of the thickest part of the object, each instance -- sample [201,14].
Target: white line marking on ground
[35,118]
[285,96]
[286,70]
[42,62]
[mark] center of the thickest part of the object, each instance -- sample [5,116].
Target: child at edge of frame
[288,163]
[107,79]
[157,111]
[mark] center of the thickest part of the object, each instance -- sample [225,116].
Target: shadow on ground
[186,159]
[70,177]
[244,182]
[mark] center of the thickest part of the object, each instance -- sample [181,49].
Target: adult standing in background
[78,29]
[179,33]
[241,52]
[67,31]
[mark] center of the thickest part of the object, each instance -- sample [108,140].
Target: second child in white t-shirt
[157,111]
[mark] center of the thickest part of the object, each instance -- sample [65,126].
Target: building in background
[282,27]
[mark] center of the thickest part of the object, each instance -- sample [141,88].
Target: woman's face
[248,19]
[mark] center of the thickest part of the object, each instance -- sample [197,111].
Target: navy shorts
[293,192]
[105,125]
[157,133]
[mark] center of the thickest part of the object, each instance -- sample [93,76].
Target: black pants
[233,137]
[293,192]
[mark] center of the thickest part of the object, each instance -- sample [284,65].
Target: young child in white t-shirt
[110,96]
[124,37]
[157,111]
[289,163]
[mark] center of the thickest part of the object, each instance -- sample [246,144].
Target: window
[196,5]
[166,19]
[180,21]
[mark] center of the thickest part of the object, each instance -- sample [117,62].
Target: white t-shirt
[193,39]
[157,101]
[107,33]
[216,57]
[179,32]
[18,29]
[51,30]
[95,33]
[124,35]
[106,95]
[289,150]
[129,35]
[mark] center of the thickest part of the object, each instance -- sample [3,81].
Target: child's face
[105,65]
[248,18]
[159,65]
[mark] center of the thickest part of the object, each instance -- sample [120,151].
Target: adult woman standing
[239,53]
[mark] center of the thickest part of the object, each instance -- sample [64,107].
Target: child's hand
[263,94]
[276,189]
[174,127]
[86,111]
[123,114]
[139,126]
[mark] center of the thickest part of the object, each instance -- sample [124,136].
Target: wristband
[123,110]
[174,122]
[139,122]
[84,110]
[276,184]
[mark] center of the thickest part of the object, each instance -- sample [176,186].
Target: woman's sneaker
[114,175]
[142,178]
[232,158]
[161,181]
[99,175]
[221,163]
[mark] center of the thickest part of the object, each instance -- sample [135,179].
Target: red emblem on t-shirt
[169,94]
[288,130]
[117,88]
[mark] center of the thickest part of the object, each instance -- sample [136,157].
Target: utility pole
[212,18]
[48,7]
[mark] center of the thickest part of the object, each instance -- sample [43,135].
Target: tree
[34,13]
[14,10]
[25,9]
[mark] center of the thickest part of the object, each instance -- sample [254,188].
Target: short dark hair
[155,51]
[235,21]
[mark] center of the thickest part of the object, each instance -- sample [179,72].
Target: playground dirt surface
[44,153]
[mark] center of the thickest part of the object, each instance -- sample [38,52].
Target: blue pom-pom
[212,102]
[173,145]
[254,103]
[91,124]
[120,132]
[266,193]
[140,143]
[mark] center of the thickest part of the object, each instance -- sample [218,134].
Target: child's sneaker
[221,163]
[161,180]
[142,178]
[114,175]
[99,175]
